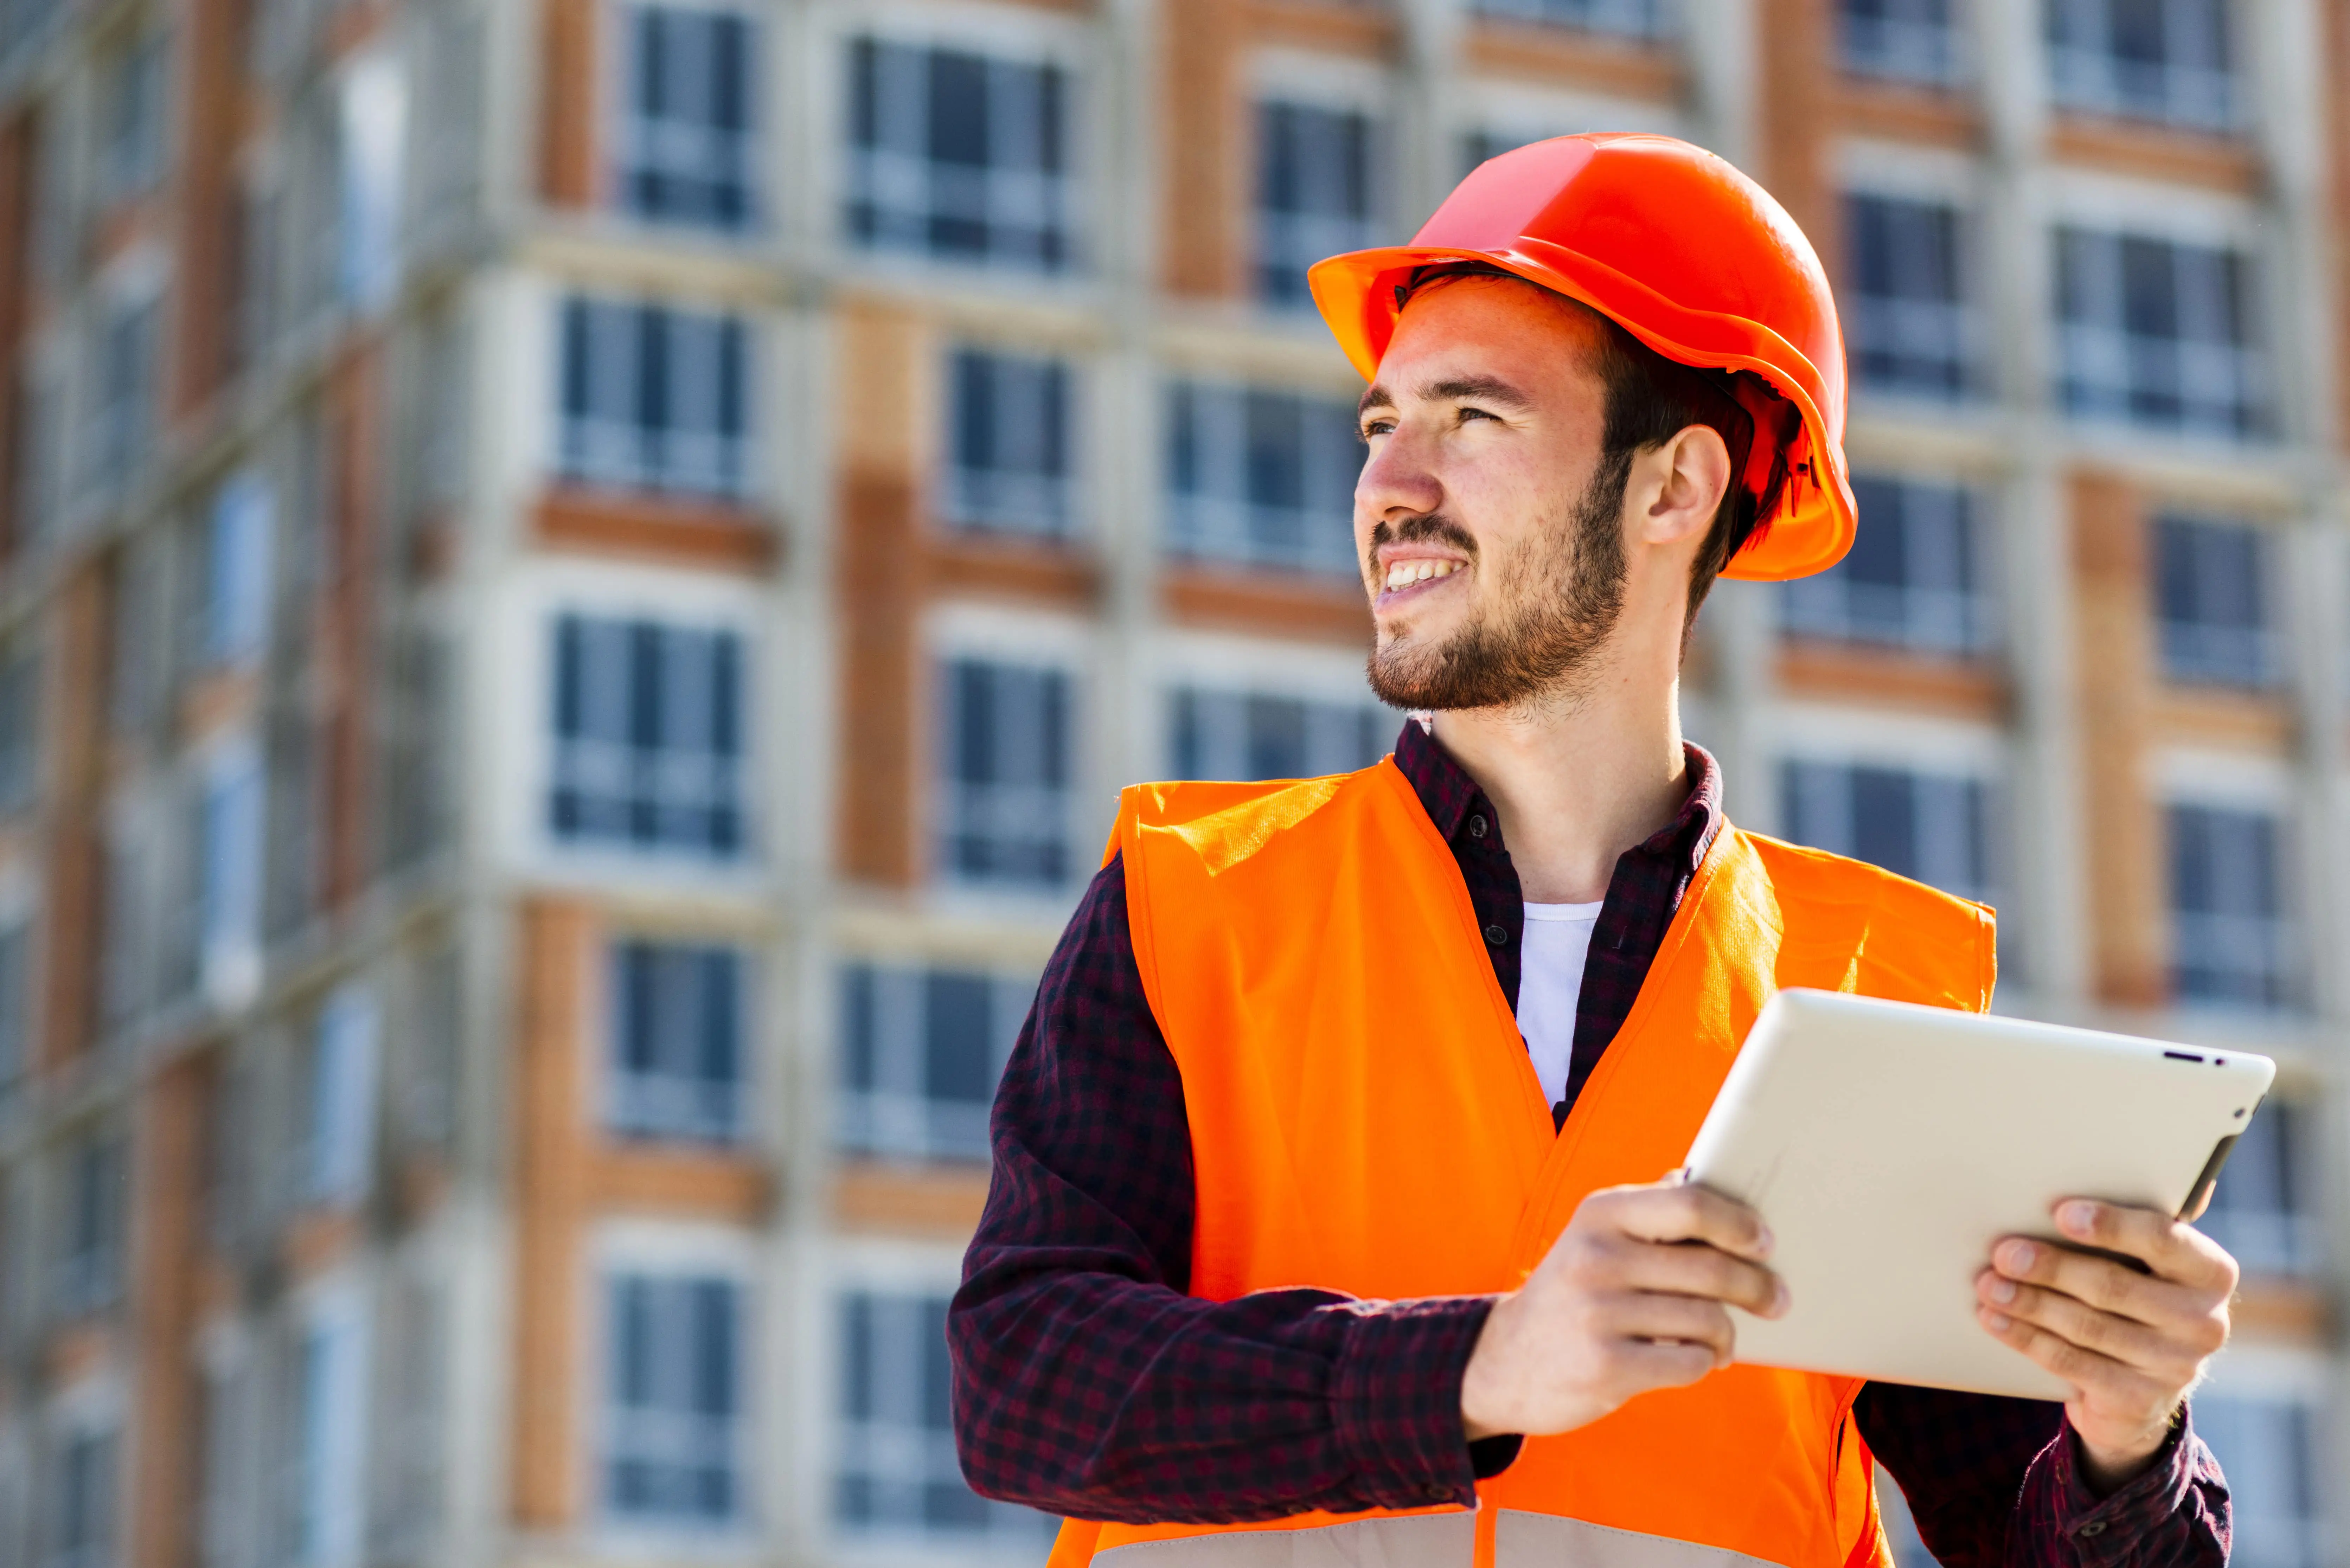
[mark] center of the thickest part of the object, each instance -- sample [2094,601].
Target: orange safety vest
[1365,1118]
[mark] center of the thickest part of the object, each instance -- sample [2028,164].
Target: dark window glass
[2212,589]
[686,149]
[2229,929]
[648,736]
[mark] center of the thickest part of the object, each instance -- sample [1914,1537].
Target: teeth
[1404,573]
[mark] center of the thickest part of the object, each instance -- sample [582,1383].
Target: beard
[1554,602]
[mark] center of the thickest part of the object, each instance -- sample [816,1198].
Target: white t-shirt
[1550,982]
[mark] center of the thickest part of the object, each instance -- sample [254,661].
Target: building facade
[581,576]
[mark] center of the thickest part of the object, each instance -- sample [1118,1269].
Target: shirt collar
[1448,794]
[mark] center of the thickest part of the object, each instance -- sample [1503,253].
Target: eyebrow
[1459,388]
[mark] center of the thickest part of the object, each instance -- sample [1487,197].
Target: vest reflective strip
[1520,1540]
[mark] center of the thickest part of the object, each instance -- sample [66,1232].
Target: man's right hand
[1633,1295]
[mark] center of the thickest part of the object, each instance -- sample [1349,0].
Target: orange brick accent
[77,736]
[1908,114]
[356,427]
[880,585]
[570,69]
[1209,132]
[910,1200]
[315,1242]
[1328,27]
[19,163]
[2128,897]
[1798,120]
[2157,152]
[1032,571]
[163,1524]
[205,287]
[1962,689]
[2288,1309]
[1559,56]
[551,1187]
[2228,721]
[78,1349]
[1269,603]
[708,535]
[216,700]
[691,1183]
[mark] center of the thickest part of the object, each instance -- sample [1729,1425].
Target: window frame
[628,128]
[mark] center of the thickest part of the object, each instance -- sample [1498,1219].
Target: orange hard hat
[1687,255]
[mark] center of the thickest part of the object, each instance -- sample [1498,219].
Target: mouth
[1415,576]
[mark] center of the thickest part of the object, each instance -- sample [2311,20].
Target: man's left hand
[2130,1343]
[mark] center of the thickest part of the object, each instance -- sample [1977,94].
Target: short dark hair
[1649,399]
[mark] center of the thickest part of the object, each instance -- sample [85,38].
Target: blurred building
[580,576]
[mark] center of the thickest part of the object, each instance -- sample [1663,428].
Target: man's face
[1489,528]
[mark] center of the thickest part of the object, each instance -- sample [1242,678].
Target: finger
[1695,1269]
[2173,1250]
[1688,1213]
[1637,1315]
[2100,1282]
[1646,1363]
[2088,1372]
[2120,1339]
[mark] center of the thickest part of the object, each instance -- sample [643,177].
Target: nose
[1397,481]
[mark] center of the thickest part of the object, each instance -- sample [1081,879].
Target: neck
[1577,777]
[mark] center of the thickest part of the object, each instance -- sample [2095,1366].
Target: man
[1332,1219]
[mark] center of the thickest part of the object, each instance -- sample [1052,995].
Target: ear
[1681,484]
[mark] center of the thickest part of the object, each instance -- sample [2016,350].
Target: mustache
[1427,528]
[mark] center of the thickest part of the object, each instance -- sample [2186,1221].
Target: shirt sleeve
[1996,1483]
[1088,1383]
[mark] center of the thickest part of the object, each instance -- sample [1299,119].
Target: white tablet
[1889,1146]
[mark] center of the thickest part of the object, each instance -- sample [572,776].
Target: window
[960,156]
[373,141]
[329,1497]
[228,876]
[648,736]
[2268,1446]
[1628,18]
[1004,773]
[1929,827]
[132,90]
[2212,593]
[1904,40]
[687,141]
[672,1434]
[345,1070]
[677,1067]
[920,1053]
[654,397]
[2167,60]
[94,1196]
[16,1007]
[83,1500]
[1219,734]
[2227,930]
[1314,196]
[1913,579]
[2159,333]
[1262,478]
[413,1447]
[122,411]
[240,551]
[20,728]
[897,1474]
[2261,1208]
[1008,466]
[1912,330]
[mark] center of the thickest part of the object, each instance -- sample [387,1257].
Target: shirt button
[2095,1527]
[1496,935]
[1476,827]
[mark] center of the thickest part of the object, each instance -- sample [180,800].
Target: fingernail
[2015,1257]
[1999,1322]
[1781,1298]
[2002,1291]
[2079,1216]
[1764,1240]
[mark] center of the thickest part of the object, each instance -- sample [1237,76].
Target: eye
[1467,414]
[1378,428]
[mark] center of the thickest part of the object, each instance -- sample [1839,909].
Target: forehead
[1488,326]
